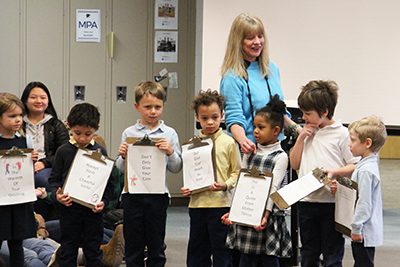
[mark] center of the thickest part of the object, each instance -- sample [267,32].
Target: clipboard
[145,141]
[193,170]
[97,190]
[250,197]
[283,198]
[138,180]
[17,183]
[196,141]
[346,198]
[97,156]
[15,152]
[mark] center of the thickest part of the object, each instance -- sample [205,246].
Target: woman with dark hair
[44,129]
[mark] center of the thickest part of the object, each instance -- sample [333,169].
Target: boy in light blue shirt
[367,137]
[145,215]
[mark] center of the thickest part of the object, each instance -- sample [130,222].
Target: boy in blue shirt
[145,215]
[367,137]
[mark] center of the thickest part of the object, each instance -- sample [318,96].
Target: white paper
[172,80]
[88,25]
[146,170]
[198,169]
[87,178]
[249,200]
[166,14]
[300,188]
[166,47]
[17,180]
[345,199]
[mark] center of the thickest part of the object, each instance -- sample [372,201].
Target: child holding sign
[17,221]
[80,225]
[367,136]
[207,234]
[145,215]
[322,143]
[263,244]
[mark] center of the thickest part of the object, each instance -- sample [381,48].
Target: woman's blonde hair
[242,26]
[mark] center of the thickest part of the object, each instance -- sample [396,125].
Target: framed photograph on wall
[166,14]
[166,47]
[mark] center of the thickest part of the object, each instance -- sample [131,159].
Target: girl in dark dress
[17,221]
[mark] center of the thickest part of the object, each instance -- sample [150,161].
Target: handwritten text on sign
[198,169]
[17,183]
[146,169]
[249,200]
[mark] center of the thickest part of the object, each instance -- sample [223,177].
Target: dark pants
[16,252]
[145,217]
[42,178]
[53,227]
[80,227]
[207,238]
[318,235]
[363,256]
[258,260]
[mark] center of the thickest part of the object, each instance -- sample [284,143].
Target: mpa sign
[88,25]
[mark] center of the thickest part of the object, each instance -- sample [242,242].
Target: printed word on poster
[17,178]
[88,177]
[145,169]
[88,25]
[198,170]
[250,198]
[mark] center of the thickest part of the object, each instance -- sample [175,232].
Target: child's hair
[84,114]
[319,96]
[273,112]
[206,98]
[9,101]
[370,127]
[25,95]
[149,88]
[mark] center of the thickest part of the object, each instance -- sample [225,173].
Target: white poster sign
[345,199]
[17,179]
[88,177]
[166,14]
[166,47]
[145,169]
[88,25]
[250,199]
[198,171]
[299,189]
